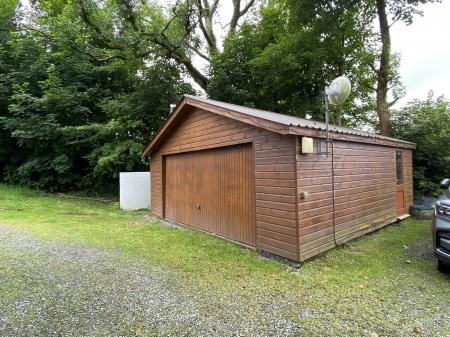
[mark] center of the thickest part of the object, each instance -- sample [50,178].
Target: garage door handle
[199,206]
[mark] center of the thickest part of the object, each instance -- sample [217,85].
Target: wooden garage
[245,175]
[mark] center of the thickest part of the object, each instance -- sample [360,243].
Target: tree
[20,63]
[70,119]
[387,78]
[283,61]
[146,29]
[426,123]
[132,117]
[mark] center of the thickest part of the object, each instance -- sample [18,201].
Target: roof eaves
[271,121]
[161,131]
[315,131]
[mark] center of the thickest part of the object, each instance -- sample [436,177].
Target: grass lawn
[384,284]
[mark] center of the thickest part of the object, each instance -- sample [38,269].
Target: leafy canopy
[283,60]
[426,123]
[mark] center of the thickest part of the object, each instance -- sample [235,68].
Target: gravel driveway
[52,288]
[63,289]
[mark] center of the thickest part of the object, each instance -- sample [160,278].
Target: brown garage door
[213,190]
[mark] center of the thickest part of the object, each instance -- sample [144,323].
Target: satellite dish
[336,93]
[339,90]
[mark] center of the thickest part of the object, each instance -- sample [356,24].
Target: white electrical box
[307,145]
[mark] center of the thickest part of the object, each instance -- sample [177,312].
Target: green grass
[46,216]
[355,286]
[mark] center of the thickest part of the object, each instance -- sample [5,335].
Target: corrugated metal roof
[292,120]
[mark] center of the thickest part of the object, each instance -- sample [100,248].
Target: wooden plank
[274,167]
[276,221]
[275,190]
[276,152]
[316,219]
[307,254]
[316,182]
[276,182]
[308,238]
[291,231]
[285,199]
[320,241]
[270,234]
[317,227]
[276,213]
[275,175]
[309,213]
[283,206]
[364,191]
[276,250]
[274,160]
[308,205]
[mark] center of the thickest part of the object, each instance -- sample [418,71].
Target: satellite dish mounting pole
[336,93]
[327,118]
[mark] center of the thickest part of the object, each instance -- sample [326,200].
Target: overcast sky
[425,52]
[424,47]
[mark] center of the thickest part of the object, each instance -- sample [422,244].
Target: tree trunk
[384,70]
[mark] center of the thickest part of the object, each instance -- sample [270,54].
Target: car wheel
[442,267]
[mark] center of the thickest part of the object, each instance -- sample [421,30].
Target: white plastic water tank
[134,190]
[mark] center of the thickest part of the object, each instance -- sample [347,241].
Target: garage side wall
[274,174]
[364,181]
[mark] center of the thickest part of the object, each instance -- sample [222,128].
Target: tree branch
[38,32]
[98,60]
[238,13]
[199,53]
[73,47]
[214,6]
[235,17]
[394,101]
[168,23]
[246,8]
[178,55]
[175,52]
[206,13]
[372,66]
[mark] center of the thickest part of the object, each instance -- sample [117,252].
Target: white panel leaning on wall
[134,190]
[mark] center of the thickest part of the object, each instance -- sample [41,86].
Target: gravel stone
[56,288]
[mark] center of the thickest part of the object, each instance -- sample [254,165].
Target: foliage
[283,61]
[68,119]
[178,30]
[426,123]
[84,84]
[131,119]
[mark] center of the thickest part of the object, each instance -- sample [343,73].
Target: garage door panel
[213,190]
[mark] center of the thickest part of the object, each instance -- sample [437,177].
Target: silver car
[441,230]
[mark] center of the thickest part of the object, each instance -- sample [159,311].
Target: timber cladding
[352,191]
[245,179]
[273,209]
